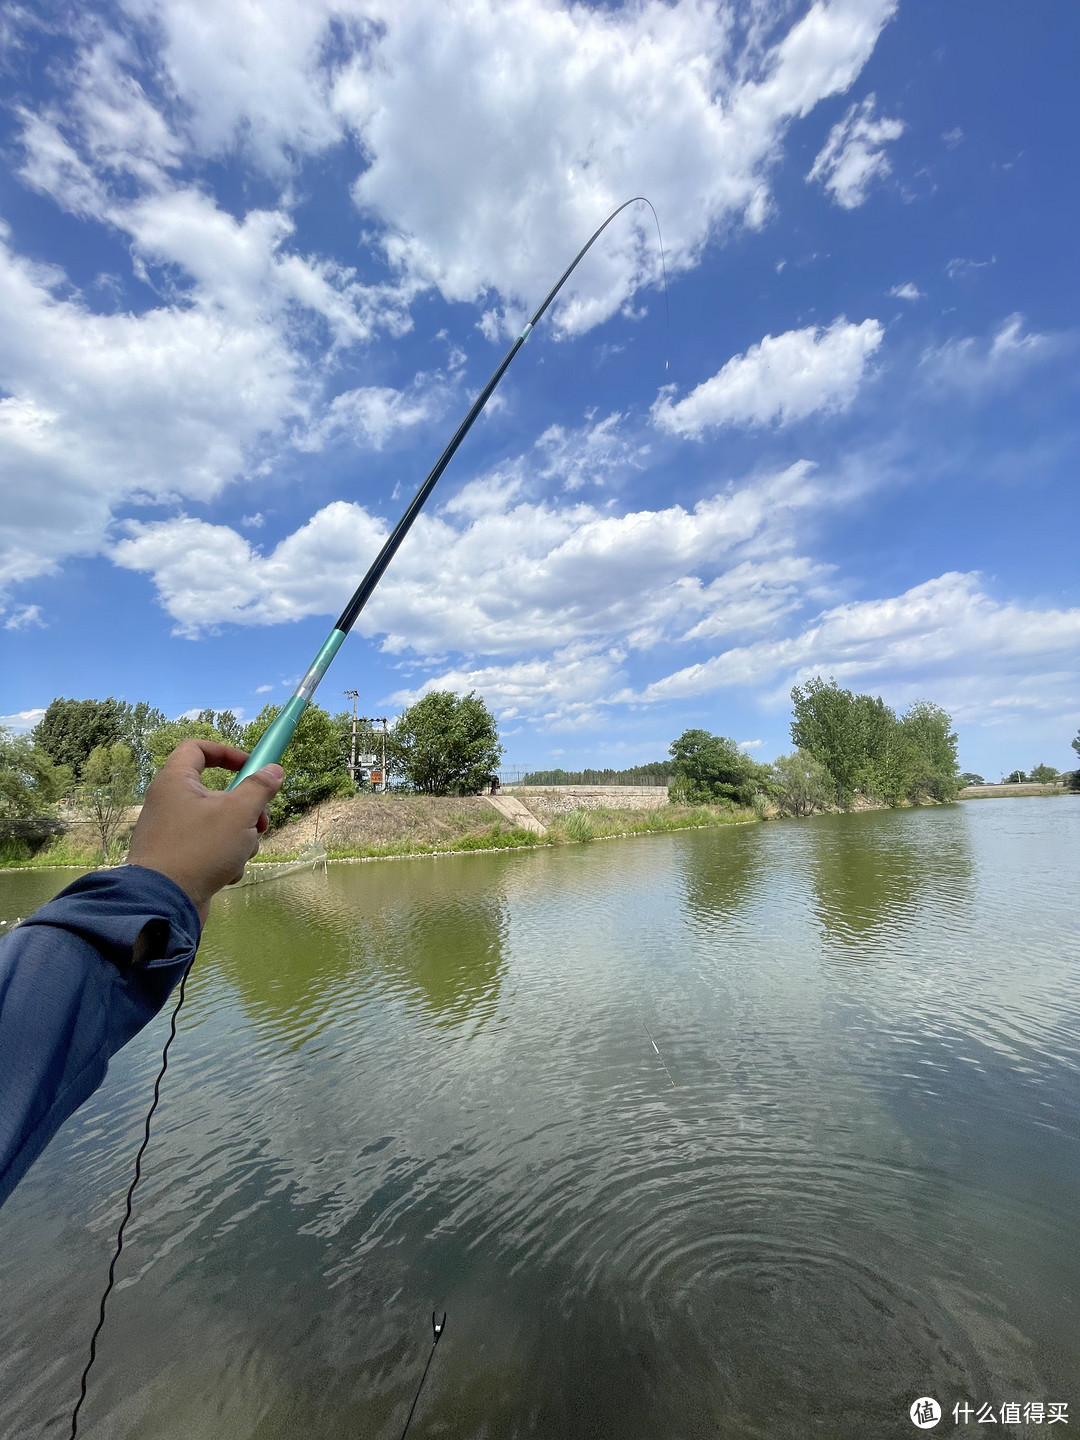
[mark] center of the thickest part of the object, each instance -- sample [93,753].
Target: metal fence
[526,775]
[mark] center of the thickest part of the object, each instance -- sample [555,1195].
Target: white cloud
[22,721]
[563,691]
[106,407]
[554,115]
[373,414]
[592,454]
[263,689]
[947,631]
[497,573]
[551,114]
[852,157]
[973,364]
[959,266]
[571,108]
[23,616]
[908,291]
[784,378]
[750,744]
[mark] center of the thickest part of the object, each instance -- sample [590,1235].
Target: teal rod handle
[274,742]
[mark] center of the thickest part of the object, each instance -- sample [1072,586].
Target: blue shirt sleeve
[78,979]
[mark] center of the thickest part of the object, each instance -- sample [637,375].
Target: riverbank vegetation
[378,827]
[67,789]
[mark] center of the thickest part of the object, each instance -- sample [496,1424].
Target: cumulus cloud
[572,108]
[852,157]
[563,691]
[550,114]
[908,291]
[555,114]
[496,572]
[22,721]
[948,627]
[102,408]
[784,378]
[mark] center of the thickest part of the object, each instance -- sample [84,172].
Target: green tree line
[102,754]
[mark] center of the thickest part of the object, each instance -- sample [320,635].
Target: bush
[801,785]
[711,768]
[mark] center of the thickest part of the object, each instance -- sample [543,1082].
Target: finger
[193,756]
[263,823]
[253,795]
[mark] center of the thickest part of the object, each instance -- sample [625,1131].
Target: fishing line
[660,1057]
[272,744]
[437,1328]
[130,1196]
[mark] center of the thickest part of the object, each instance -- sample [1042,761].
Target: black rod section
[364,590]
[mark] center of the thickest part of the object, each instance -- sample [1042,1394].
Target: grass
[18,855]
[577,828]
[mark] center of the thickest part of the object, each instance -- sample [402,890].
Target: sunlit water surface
[429,1085]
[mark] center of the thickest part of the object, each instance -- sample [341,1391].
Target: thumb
[253,795]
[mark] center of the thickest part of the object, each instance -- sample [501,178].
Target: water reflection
[871,873]
[297,950]
[720,877]
[861,1190]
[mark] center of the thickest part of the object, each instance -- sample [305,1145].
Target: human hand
[202,838]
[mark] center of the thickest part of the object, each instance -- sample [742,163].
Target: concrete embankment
[987,792]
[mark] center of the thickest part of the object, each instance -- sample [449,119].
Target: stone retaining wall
[550,801]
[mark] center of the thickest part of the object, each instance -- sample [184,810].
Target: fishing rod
[273,742]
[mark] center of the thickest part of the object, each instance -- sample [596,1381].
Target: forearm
[78,979]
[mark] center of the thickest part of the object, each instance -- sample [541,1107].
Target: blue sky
[256,259]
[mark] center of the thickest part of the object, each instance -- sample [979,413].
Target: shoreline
[517,839]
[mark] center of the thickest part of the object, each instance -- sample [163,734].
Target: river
[849,1178]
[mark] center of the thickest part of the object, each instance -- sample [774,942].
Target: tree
[446,744]
[801,785]
[970,778]
[1016,778]
[867,750]
[226,724]
[29,781]
[934,743]
[70,729]
[829,726]
[136,723]
[1044,774]
[223,728]
[109,778]
[315,765]
[711,767]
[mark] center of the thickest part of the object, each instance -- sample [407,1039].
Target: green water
[428,1084]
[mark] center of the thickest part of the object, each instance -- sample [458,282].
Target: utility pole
[352,751]
[378,720]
